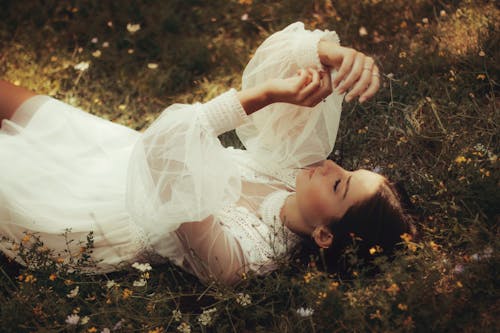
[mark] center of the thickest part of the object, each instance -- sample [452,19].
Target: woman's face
[327,191]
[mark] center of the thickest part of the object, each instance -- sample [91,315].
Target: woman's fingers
[354,74]
[363,81]
[311,86]
[345,66]
[324,90]
[374,85]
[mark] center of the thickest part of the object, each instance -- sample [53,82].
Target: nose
[330,166]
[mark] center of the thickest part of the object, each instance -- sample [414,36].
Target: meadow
[433,127]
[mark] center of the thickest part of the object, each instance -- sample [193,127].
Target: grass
[433,126]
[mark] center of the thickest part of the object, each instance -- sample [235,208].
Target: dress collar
[270,213]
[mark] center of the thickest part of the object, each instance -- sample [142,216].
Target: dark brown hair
[377,222]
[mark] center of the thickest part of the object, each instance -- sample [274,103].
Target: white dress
[172,192]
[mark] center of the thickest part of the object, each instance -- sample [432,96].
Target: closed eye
[335,186]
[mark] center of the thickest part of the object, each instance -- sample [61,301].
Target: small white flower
[82,66]
[459,269]
[105,44]
[133,28]
[184,328]
[96,53]
[176,315]
[390,76]
[73,293]
[442,13]
[362,31]
[244,299]
[72,319]
[105,330]
[142,267]
[84,320]
[111,283]
[244,17]
[425,20]
[94,40]
[118,325]
[305,312]
[139,283]
[152,65]
[205,318]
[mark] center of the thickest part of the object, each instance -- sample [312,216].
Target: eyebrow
[346,187]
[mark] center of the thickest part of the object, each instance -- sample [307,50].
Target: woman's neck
[292,218]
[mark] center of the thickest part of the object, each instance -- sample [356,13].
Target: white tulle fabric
[173,191]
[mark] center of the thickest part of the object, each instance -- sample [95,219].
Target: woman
[174,192]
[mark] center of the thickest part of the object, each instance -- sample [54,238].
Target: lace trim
[306,48]
[224,112]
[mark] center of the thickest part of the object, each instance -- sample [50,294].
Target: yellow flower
[333,285]
[393,289]
[481,77]
[459,284]
[402,307]
[434,246]
[406,237]
[308,277]
[92,330]
[52,277]
[26,238]
[460,159]
[127,293]
[156,330]
[68,282]
[30,278]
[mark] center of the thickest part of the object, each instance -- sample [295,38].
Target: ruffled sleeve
[284,135]
[179,171]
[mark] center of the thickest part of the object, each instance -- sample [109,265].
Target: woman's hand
[307,88]
[356,72]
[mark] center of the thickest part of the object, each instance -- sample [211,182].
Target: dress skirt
[62,168]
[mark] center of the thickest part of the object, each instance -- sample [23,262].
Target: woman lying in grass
[175,193]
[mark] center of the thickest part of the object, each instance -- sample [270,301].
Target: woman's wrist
[326,51]
[255,98]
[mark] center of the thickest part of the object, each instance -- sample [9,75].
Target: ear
[322,236]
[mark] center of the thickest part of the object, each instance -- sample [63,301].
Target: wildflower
[308,277]
[94,40]
[26,238]
[142,267]
[105,330]
[122,107]
[481,53]
[152,65]
[402,54]
[402,307]
[133,28]
[375,249]
[244,17]
[244,299]
[442,13]
[305,312]
[96,53]
[156,330]
[176,315]
[60,260]
[184,328]
[111,283]
[458,269]
[82,66]
[434,246]
[322,294]
[73,293]
[333,285]
[127,293]
[84,320]
[72,319]
[30,278]
[245,2]
[110,24]
[205,319]
[20,277]
[362,31]
[425,20]
[393,289]
[92,330]
[406,237]
[130,51]
[481,77]
[139,283]
[105,44]
[459,284]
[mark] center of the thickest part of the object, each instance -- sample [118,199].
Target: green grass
[433,126]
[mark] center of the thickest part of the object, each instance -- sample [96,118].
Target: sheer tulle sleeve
[284,135]
[179,171]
